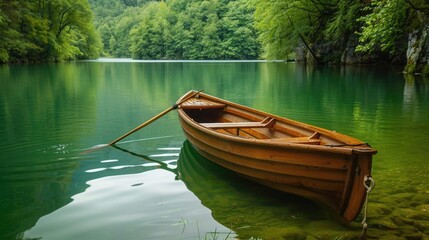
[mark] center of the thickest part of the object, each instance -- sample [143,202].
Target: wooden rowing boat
[283,154]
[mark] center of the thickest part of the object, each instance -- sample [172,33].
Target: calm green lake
[155,186]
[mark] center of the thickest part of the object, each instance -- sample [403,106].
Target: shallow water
[50,113]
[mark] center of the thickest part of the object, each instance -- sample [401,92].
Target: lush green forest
[47,30]
[177,29]
[330,31]
[318,31]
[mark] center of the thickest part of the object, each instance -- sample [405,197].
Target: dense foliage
[51,30]
[177,29]
[388,22]
[324,31]
[377,26]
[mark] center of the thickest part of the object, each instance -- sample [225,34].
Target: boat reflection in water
[248,209]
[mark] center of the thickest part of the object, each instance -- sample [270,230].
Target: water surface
[155,186]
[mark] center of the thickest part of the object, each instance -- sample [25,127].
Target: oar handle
[175,106]
[142,125]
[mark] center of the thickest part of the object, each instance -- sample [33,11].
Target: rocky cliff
[418,52]
[414,57]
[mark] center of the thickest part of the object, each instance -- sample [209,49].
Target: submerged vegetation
[322,31]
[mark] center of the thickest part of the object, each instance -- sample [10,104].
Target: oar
[152,119]
[175,106]
[162,164]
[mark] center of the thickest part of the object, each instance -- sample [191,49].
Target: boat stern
[355,192]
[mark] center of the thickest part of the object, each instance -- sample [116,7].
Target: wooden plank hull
[289,156]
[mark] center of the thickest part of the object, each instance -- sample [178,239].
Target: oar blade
[94,148]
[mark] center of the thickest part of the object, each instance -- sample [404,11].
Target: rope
[369,184]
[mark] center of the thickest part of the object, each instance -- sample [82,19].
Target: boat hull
[332,176]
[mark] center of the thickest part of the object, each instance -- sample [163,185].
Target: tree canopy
[47,30]
[324,31]
[389,22]
[379,26]
[177,29]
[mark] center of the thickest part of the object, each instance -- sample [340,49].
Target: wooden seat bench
[298,140]
[267,122]
[313,139]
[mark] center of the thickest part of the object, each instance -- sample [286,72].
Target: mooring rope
[369,184]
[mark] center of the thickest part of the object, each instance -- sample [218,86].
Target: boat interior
[243,122]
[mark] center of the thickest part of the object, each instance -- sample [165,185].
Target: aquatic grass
[209,235]
[214,235]
[336,238]
[217,235]
[184,222]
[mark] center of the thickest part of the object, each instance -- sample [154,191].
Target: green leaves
[328,29]
[238,30]
[179,29]
[388,23]
[284,25]
[152,37]
[57,30]
[383,26]
[343,21]
[47,30]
